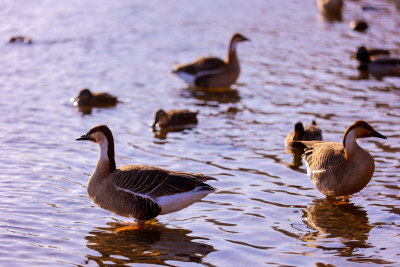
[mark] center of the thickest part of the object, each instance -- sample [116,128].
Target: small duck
[175,118]
[379,67]
[341,169]
[211,71]
[88,99]
[20,39]
[137,191]
[301,133]
[330,8]
[358,25]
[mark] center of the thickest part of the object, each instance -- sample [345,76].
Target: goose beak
[376,134]
[83,137]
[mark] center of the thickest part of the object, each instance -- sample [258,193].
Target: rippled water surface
[266,211]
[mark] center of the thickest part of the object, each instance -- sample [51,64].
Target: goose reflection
[208,97]
[347,222]
[154,244]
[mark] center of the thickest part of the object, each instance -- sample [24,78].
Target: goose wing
[154,182]
[202,65]
[324,159]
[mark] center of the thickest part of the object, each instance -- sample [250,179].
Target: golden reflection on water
[152,244]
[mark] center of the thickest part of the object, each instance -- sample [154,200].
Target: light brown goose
[211,71]
[88,99]
[140,192]
[341,169]
[301,133]
[175,118]
[330,9]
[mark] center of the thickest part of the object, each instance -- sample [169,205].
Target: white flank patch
[179,201]
[188,78]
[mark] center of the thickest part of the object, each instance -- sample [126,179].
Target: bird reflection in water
[153,244]
[228,95]
[348,222]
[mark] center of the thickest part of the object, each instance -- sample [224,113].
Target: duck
[379,67]
[138,191]
[20,39]
[341,169]
[358,25]
[330,8]
[308,133]
[88,99]
[212,72]
[175,119]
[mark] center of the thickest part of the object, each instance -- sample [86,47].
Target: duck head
[161,118]
[298,131]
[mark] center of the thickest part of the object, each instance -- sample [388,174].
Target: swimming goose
[175,118]
[211,71]
[301,133]
[140,192]
[379,67]
[341,169]
[88,99]
[330,8]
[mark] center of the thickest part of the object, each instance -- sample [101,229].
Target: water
[266,211]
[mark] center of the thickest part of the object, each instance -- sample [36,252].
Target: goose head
[98,134]
[298,131]
[360,129]
[161,118]
[236,38]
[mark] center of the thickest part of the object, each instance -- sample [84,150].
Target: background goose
[331,9]
[88,99]
[379,67]
[301,133]
[175,118]
[140,192]
[211,71]
[341,169]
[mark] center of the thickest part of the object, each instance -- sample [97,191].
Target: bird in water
[341,169]
[379,68]
[137,191]
[301,133]
[212,72]
[175,119]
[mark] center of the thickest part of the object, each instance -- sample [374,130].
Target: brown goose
[140,192]
[88,99]
[301,133]
[341,169]
[211,71]
[330,9]
[175,118]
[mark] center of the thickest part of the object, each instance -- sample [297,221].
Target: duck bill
[376,134]
[83,137]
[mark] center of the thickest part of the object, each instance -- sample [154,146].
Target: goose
[358,25]
[301,133]
[379,67]
[212,72]
[88,99]
[175,118]
[20,39]
[137,191]
[330,8]
[341,169]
